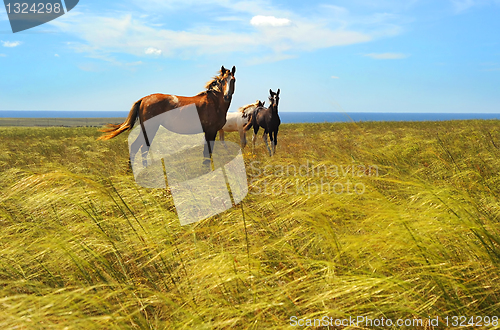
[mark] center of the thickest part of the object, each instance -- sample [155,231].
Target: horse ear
[263,103]
[271,91]
[233,70]
[278,92]
[222,69]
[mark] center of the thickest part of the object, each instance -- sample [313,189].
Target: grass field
[414,234]
[64,122]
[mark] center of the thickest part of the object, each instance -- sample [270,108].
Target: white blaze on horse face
[227,87]
[175,100]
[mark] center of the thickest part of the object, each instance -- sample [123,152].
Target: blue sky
[352,56]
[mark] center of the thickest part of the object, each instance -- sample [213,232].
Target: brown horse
[269,120]
[212,106]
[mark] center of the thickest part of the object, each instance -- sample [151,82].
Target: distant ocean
[286,117]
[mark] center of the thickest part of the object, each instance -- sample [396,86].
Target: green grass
[65,122]
[83,247]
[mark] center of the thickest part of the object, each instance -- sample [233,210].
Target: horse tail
[114,130]
[250,122]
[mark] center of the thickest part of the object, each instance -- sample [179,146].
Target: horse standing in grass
[236,120]
[211,105]
[269,120]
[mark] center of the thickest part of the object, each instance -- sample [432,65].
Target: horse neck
[248,111]
[221,104]
[252,109]
[274,109]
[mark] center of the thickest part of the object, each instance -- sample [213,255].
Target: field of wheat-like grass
[393,220]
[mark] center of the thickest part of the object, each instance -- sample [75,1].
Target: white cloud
[152,51]
[269,21]
[273,34]
[387,56]
[254,7]
[11,43]
[56,55]
[103,35]
[335,77]
[3,55]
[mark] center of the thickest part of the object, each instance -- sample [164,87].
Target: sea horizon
[286,117]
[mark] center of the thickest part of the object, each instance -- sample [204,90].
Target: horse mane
[214,84]
[244,108]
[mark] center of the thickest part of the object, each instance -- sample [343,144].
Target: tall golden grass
[83,247]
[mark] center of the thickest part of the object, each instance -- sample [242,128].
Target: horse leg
[275,140]
[254,137]
[243,137]
[149,130]
[134,148]
[273,146]
[264,137]
[221,137]
[141,143]
[208,149]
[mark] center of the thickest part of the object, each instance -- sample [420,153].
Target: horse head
[228,81]
[274,99]
[223,83]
